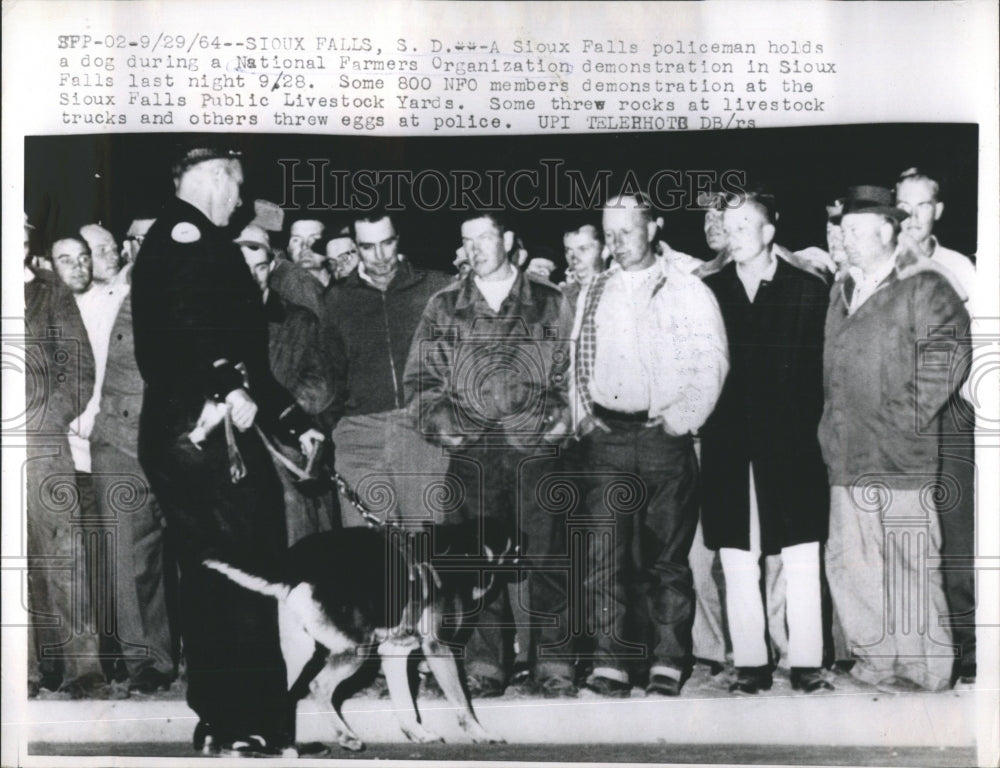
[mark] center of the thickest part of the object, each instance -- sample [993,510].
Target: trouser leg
[236,674]
[62,623]
[610,479]
[547,582]
[744,606]
[480,470]
[775,598]
[707,635]
[670,471]
[957,517]
[916,600]
[803,604]
[855,562]
[360,453]
[425,492]
[127,505]
[487,650]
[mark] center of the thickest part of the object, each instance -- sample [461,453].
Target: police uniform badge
[185,232]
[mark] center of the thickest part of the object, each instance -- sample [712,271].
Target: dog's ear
[506,550]
[478,592]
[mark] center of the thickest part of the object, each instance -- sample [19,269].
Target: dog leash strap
[352,496]
[237,469]
[279,457]
[343,486]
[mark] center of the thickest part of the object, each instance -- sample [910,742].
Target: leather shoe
[482,687]
[204,739]
[150,680]
[663,685]
[809,680]
[248,746]
[751,680]
[89,686]
[895,684]
[606,686]
[559,688]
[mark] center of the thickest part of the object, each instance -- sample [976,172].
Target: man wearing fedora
[894,354]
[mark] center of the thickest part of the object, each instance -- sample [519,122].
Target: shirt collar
[404,275]
[767,274]
[468,293]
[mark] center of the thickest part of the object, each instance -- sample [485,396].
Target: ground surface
[852,725]
[589,753]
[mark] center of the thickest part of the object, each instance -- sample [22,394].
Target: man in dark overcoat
[201,347]
[764,482]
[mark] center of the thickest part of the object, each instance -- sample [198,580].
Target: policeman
[201,346]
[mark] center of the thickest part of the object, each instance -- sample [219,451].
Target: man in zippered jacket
[373,315]
[487,378]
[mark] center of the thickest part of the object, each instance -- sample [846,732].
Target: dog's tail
[248,580]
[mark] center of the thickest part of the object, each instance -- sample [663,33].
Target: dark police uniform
[197,314]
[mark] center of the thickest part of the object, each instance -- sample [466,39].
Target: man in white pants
[764,483]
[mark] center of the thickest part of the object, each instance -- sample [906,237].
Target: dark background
[73,180]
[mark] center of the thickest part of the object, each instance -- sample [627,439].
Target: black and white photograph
[367,427]
[628,438]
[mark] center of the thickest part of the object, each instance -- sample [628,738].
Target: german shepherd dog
[357,590]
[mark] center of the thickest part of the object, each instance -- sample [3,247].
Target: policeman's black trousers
[236,674]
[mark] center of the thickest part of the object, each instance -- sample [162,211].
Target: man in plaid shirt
[650,357]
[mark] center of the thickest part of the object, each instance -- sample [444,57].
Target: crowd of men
[694,452]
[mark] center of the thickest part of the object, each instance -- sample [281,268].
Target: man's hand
[559,432]
[83,424]
[309,443]
[542,268]
[589,424]
[449,440]
[242,409]
[661,422]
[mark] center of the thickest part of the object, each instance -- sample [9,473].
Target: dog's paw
[420,735]
[350,742]
[485,737]
[477,733]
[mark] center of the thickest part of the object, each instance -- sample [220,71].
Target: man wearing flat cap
[201,347]
[894,354]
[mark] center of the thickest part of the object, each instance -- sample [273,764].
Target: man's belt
[634,417]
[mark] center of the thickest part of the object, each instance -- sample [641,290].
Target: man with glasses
[342,255]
